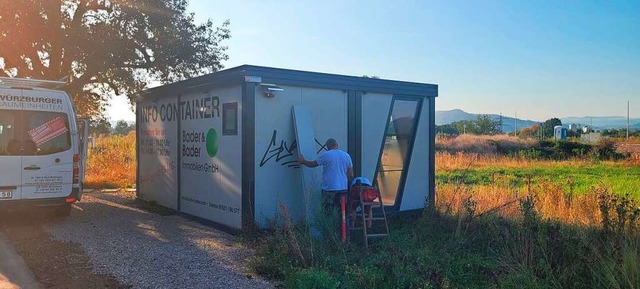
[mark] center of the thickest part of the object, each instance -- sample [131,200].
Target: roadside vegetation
[535,215]
[111,162]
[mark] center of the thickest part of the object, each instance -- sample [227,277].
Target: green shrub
[606,149]
[312,279]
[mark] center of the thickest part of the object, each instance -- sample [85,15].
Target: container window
[230,118]
[395,151]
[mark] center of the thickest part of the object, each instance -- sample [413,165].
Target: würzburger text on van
[30,102]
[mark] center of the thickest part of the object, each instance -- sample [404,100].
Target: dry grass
[553,200]
[449,161]
[111,162]
[483,144]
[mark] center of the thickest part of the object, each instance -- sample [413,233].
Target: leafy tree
[101,47]
[485,125]
[465,126]
[530,132]
[447,129]
[122,127]
[100,126]
[548,125]
[576,133]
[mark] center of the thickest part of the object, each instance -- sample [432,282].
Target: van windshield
[27,132]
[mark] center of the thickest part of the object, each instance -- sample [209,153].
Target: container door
[47,168]
[10,160]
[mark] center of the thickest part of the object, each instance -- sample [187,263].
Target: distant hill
[508,123]
[449,116]
[602,122]
[597,122]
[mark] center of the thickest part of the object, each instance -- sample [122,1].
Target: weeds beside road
[111,162]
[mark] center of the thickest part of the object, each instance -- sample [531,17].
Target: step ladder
[367,216]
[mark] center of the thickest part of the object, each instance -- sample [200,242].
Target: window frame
[407,161]
[225,108]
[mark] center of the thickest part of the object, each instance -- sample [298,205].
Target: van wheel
[63,211]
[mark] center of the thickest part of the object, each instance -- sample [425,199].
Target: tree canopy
[549,124]
[106,47]
[483,125]
[100,126]
[122,127]
[530,132]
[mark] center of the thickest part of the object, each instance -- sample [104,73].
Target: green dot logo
[212,142]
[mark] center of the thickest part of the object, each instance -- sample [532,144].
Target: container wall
[157,140]
[211,155]
[277,173]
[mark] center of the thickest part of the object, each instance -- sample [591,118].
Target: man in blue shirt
[337,172]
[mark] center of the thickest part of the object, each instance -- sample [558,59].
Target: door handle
[32,168]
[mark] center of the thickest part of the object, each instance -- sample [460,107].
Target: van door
[10,168]
[47,172]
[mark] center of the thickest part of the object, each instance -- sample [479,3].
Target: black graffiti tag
[282,152]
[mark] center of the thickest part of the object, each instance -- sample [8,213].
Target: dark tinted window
[230,118]
[33,132]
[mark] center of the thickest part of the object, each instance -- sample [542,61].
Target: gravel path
[147,250]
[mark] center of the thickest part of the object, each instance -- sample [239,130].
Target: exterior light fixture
[270,89]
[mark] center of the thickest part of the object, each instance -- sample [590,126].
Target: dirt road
[109,241]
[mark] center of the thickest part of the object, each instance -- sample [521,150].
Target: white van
[42,158]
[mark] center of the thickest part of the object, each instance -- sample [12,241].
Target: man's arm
[311,164]
[349,176]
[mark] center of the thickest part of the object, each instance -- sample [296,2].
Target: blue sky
[540,58]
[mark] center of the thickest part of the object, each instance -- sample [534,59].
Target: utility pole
[628,106]
[515,124]
[541,132]
[590,129]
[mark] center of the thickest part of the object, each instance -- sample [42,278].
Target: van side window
[49,131]
[25,132]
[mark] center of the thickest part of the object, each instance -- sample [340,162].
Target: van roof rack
[30,83]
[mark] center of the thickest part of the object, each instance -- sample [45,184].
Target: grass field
[575,176]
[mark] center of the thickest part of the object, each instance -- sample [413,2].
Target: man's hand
[302,161]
